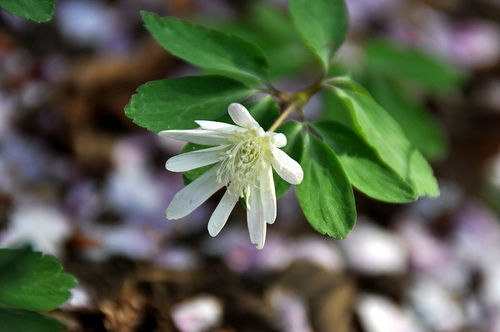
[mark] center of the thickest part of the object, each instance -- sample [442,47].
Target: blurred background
[80,181]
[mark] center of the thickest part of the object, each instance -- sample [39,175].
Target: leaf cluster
[401,80]
[358,143]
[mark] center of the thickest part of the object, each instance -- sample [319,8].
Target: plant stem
[283,116]
[298,99]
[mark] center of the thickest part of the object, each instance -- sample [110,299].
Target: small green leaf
[293,148]
[29,280]
[36,10]
[325,193]
[207,48]
[387,137]
[265,111]
[419,126]
[420,67]
[323,24]
[25,321]
[364,168]
[176,103]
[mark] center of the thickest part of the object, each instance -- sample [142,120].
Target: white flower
[244,158]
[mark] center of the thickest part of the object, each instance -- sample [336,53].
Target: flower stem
[283,116]
[298,99]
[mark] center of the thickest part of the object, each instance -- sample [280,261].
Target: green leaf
[323,24]
[29,280]
[363,166]
[387,137]
[273,32]
[265,111]
[25,321]
[420,67]
[36,10]
[419,126]
[325,193]
[293,148]
[335,109]
[207,48]
[176,103]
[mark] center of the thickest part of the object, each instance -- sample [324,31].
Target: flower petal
[287,168]
[205,137]
[215,125]
[195,159]
[279,139]
[255,219]
[241,116]
[268,195]
[194,194]
[221,213]
[222,128]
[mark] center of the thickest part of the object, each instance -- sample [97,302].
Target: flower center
[242,164]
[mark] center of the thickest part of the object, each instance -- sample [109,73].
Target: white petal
[215,125]
[279,139]
[241,116]
[268,195]
[255,219]
[195,159]
[222,128]
[205,137]
[221,213]
[287,168]
[194,194]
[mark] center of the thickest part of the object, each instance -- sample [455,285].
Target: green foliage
[25,321]
[419,126]
[325,194]
[387,137]
[335,109]
[29,280]
[371,143]
[417,66]
[36,10]
[323,23]
[176,103]
[207,48]
[399,79]
[363,166]
[274,33]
